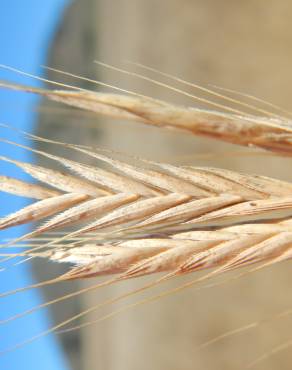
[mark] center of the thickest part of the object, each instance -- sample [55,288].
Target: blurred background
[243,45]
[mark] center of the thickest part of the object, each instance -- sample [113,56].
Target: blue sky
[26,31]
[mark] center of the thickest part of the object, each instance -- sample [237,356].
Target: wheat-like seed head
[131,220]
[172,215]
[270,133]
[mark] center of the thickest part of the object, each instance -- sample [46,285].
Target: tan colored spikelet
[41,209]
[18,187]
[57,179]
[247,130]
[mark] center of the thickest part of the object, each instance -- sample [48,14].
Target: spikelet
[269,133]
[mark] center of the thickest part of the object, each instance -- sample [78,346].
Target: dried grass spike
[24,189]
